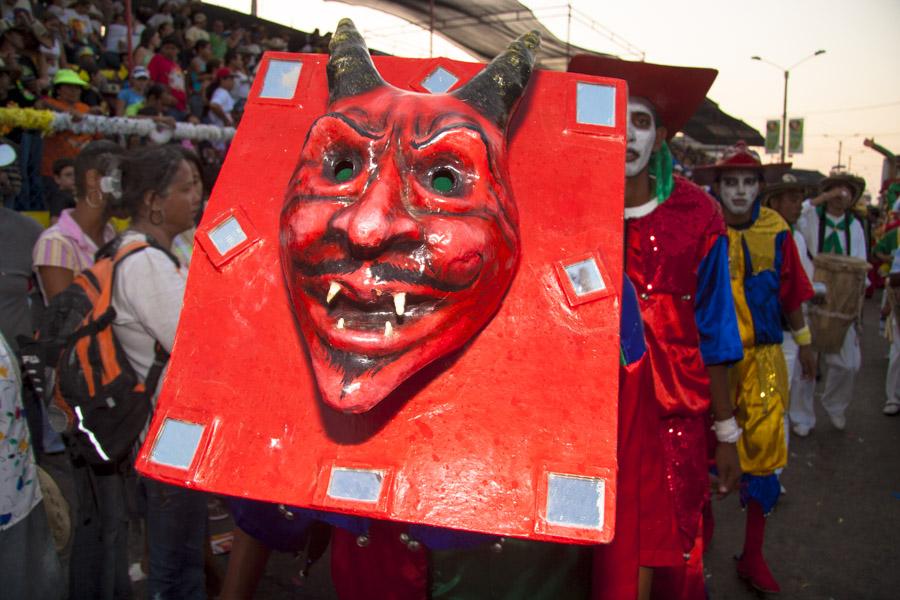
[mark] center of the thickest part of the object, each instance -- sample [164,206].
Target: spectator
[164,69]
[53,50]
[67,89]
[18,235]
[235,62]
[199,74]
[217,39]
[62,196]
[221,103]
[27,90]
[99,557]
[131,98]
[197,31]
[167,30]
[147,47]
[29,565]
[18,48]
[250,53]
[56,7]
[68,247]
[161,195]
[7,76]
[86,61]
[7,9]
[117,32]
[164,15]
[84,30]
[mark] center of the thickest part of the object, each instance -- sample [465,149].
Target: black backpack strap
[156,369]
[820,211]
[848,216]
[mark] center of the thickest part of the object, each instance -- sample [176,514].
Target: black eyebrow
[452,126]
[354,125]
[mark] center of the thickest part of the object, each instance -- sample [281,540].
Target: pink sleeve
[54,251]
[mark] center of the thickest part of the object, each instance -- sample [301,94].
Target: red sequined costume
[677,257]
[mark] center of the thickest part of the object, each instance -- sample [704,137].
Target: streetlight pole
[784,123]
[787,72]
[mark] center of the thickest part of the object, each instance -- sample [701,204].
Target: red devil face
[398,238]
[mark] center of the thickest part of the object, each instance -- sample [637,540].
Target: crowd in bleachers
[75,56]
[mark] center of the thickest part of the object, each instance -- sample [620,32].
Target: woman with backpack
[161,193]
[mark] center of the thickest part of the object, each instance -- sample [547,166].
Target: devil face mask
[399,233]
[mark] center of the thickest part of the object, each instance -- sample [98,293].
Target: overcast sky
[851,91]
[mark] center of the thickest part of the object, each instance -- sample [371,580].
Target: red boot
[752,565]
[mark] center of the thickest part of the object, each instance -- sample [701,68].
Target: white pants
[893,373]
[842,369]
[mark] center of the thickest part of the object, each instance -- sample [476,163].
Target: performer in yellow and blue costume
[769,287]
[764,266]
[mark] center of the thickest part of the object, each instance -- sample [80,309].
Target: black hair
[147,35]
[193,158]
[61,163]
[156,91]
[171,40]
[101,156]
[150,169]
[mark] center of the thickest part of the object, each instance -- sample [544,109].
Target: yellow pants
[759,387]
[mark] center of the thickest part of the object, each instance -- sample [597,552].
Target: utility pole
[787,72]
[784,123]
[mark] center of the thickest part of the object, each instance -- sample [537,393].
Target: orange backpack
[98,398]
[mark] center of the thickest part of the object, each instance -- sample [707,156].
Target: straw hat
[854,182]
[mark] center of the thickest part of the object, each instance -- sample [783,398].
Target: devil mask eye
[342,167]
[444,180]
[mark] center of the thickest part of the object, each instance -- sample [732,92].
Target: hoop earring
[156,217]
[94,204]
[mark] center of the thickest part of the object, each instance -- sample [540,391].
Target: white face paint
[641,136]
[738,190]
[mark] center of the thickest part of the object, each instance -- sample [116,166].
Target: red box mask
[429,333]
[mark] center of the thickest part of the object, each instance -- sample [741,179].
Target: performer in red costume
[769,285]
[677,257]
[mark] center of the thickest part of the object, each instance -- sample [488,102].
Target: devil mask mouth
[399,234]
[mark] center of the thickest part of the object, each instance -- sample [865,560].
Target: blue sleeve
[631,326]
[720,340]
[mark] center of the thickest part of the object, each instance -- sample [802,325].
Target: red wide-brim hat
[739,157]
[675,92]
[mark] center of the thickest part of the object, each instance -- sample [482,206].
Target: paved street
[835,535]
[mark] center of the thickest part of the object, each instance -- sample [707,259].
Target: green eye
[443,180]
[344,171]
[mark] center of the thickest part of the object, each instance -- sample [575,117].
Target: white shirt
[642,210]
[225,102]
[803,251]
[895,266]
[51,56]
[117,33]
[148,295]
[808,225]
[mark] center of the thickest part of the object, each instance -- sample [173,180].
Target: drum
[845,279]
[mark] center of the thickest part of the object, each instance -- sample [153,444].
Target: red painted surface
[468,441]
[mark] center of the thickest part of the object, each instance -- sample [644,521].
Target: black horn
[495,90]
[350,69]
